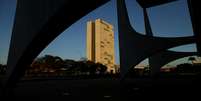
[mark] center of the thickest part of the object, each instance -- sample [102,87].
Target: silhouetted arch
[37,23]
[194,9]
[158,60]
[135,47]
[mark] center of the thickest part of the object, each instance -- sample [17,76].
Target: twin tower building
[100,43]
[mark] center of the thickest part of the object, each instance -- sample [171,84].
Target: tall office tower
[100,43]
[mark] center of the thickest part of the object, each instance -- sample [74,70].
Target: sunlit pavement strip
[136,89]
[66,94]
[107,96]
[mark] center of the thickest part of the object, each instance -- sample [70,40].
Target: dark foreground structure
[106,89]
[38,22]
[135,47]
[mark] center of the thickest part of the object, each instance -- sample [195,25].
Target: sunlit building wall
[100,43]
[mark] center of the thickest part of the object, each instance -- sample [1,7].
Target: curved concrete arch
[158,60]
[194,10]
[37,23]
[147,24]
[135,47]
[125,23]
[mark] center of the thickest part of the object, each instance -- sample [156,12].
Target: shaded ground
[107,89]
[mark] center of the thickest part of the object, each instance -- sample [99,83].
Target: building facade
[100,43]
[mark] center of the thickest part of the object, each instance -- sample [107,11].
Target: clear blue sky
[169,20]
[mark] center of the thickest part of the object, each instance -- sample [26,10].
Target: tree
[101,68]
[91,67]
[47,63]
[83,67]
[69,64]
[53,62]
[58,63]
[2,69]
[192,59]
[84,59]
[186,67]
